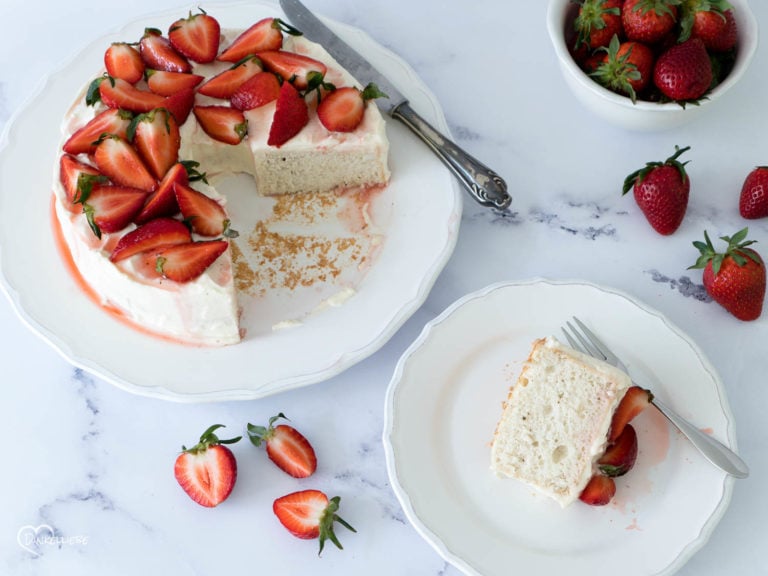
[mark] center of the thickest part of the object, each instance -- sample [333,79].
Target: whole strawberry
[735,278]
[649,20]
[661,191]
[627,68]
[597,22]
[684,72]
[753,202]
[710,20]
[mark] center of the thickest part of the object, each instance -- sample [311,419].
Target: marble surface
[95,463]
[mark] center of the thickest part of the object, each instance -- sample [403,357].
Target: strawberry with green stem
[710,20]
[627,68]
[208,470]
[684,72]
[734,278]
[661,191]
[649,20]
[597,22]
[286,447]
[309,514]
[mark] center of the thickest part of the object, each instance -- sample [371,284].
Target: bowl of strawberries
[651,64]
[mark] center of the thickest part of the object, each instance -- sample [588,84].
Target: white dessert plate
[420,235]
[441,411]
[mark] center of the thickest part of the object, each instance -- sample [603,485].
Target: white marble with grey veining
[94,463]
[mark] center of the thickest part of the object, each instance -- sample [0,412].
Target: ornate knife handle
[485,186]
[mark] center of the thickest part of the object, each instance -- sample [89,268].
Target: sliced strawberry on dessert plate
[123,61]
[620,456]
[109,209]
[222,123]
[292,67]
[110,121]
[167,83]
[266,34]
[309,514]
[180,104]
[78,178]
[157,233]
[117,93]
[258,90]
[196,37]
[158,53]
[225,83]
[121,163]
[342,109]
[285,446]
[185,262]
[291,115]
[635,400]
[599,490]
[162,202]
[156,136]
[204,215]
[208,470]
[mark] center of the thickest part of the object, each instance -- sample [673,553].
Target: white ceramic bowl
[647,116]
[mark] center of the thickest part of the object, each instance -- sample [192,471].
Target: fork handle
[713,450]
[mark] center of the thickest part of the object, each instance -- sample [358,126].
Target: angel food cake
[564,428]
[144,230]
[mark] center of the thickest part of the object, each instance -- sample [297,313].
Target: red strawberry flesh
[635,400]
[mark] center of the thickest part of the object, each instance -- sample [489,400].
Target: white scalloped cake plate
[419,238]
[445,399]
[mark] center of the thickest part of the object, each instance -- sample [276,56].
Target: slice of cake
[170,108]
[556,419]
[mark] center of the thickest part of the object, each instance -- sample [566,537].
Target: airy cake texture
[556,420]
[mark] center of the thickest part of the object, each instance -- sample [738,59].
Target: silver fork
[720,455]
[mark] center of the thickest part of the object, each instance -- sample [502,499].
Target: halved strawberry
[222,123]
[342,110]
[121,163]
[186,262]
[167,83]
[206,216]
[110,121]
[207,472]
[292,67]
[635,400]
[111,208]
[621,455]
[291,115]
[77,178]
[123,61]
[285,446]
[117,93]
[196,37]
[156,136]
[158,54]
[225,83]
[156,233]
[263,35]
[598,491]
[162,202]
[257,91]
[309,514]
[180,104]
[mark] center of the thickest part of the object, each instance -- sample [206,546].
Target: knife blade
[483,184]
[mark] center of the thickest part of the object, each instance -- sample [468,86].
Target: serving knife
[483,184]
